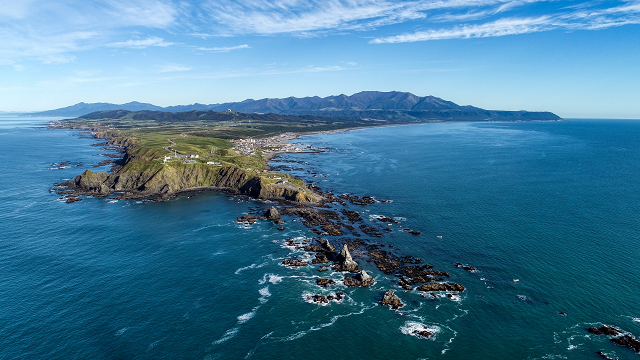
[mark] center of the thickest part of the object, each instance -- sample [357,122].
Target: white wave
[335,318]
[413,327]
[635,319]
[248,316]
[265,292]
[227,335]
[218,253]
[274,279]
[522,297]
[252,266]
[121,331]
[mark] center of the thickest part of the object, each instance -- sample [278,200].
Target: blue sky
[575,58]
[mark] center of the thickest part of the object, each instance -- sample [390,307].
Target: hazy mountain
[82,108]
[365,104]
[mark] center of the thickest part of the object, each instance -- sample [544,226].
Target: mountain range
[392,105]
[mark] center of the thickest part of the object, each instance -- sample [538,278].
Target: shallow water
[554,205]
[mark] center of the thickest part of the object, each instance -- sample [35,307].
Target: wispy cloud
[225,48]
[142,43]
[52,31]
[304,16]
[509,26]
[583,19]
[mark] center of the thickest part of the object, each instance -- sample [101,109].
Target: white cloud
[509,26]
[591,19]
[304,16]
[51,31]
[225,48]
[143,43]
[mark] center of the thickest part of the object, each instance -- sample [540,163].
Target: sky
[578,59]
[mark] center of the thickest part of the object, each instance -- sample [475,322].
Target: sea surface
[554,205]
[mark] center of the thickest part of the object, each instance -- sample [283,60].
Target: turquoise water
[554,205]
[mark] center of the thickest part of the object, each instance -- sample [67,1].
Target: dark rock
[247,219]
[324,282]
[387,220]
[320,298]
[294,262]
[441,287]
[391,299]
[361,279]
[604,330]
[325,244]
[332,230]
[423,333]
[321,258]
[370,230]
[604,356]
[272,213]
[628,341]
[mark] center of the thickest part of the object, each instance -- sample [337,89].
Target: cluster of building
[275,144]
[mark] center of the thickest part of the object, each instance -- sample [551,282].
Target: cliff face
[142,179]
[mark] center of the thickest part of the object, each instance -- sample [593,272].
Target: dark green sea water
[554,205]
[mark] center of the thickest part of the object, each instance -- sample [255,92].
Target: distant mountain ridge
[366,104]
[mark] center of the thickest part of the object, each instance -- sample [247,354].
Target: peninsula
[164,153]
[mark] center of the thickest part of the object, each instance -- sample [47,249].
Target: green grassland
[155,135]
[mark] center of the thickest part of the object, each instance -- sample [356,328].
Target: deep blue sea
[554,205]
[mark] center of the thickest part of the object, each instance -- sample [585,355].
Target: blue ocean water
[553,205]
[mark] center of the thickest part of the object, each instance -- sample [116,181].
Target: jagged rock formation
[361,279]
[347,263]
[392,300]
[272,213]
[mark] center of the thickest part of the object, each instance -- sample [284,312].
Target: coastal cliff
[155,179]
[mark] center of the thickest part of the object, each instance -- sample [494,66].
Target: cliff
[139,179]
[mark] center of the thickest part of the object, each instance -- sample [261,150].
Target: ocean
[553,205]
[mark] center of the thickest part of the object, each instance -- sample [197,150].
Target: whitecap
[522,297]
[121,331]
[227,335]
[248,316]
[413,327]
[265,292]
[636,320]
[252,266]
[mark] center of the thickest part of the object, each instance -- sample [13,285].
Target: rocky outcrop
[441,287]
[604,330]
[361,279]
[325,282]
[618,337]
[272,213]
[294,262]
[392,300]
[628,341]
[346,261]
